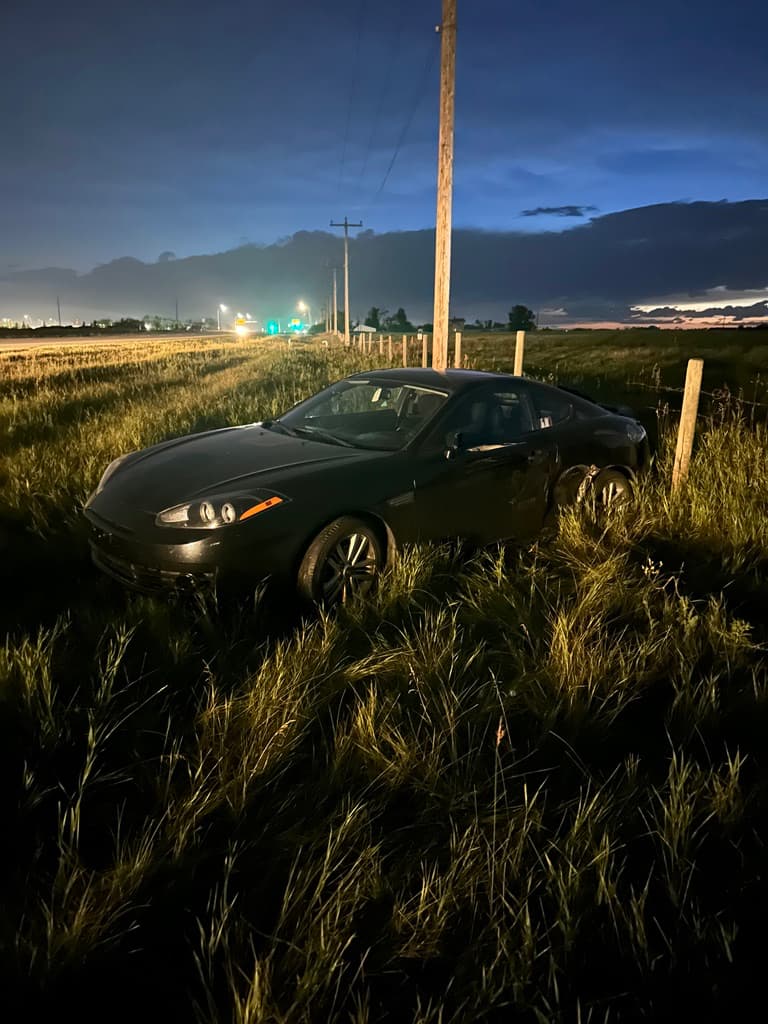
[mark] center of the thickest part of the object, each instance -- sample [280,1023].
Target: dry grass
[523,784]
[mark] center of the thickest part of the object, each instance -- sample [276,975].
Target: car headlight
[219,510]
[636,432]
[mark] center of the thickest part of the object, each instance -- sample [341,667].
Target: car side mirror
[454,442]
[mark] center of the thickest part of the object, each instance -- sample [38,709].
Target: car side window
[488,417]
[551,408]
[511,415]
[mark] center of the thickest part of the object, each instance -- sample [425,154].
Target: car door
[570,422]
[495,483]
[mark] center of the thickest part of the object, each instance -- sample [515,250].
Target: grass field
[526,784]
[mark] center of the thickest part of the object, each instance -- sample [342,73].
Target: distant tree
[375,317]
[166,257]
[399,322]
[522,319]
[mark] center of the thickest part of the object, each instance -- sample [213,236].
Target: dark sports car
[321,497]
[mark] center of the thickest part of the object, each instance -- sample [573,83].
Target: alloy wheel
[349,570]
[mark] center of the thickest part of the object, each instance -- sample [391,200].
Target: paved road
[15,344]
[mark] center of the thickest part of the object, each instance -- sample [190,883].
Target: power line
[384,91]
[428,65]
[352,89]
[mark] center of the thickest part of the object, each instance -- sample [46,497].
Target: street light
[219,310]
[304,307]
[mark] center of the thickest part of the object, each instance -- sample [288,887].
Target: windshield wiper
[320,434]
[277,425]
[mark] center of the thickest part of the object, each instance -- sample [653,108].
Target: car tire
[568,487]
[342,562]
[609,490]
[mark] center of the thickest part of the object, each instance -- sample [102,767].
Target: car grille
[147,580]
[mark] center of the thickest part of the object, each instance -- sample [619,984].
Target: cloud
[592,270]
[756,310]
[558,211]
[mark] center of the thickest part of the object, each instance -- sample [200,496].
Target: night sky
[194,127]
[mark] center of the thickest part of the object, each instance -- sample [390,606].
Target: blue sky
[193,127]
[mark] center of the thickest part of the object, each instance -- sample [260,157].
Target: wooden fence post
[519,353]
[457,351]
[389,348]
[405,350]
[687,427]
[425,350]
[381,344]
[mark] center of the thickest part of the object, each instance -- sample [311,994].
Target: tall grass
[517,784]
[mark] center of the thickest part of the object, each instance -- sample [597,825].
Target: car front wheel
[610,491]
[341,563]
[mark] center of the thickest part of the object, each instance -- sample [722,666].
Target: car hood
[217,461]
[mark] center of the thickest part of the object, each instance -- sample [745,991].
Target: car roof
[455,381]
[442,380]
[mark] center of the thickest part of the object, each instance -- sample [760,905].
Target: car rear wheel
[341,563]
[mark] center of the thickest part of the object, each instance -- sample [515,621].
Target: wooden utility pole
[58,307]
[346,225]
[457,351]
[335,307]
[444,187]
[519,353]
[687,427]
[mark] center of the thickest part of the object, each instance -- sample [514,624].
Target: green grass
[521,784]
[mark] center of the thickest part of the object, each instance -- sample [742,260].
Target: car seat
[426,405]
[508,422]
[475,429]
[421,408]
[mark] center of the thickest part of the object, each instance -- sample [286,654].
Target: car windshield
[364,414]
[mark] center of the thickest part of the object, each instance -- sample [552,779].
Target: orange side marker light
[261,507]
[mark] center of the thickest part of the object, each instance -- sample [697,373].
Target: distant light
[223,308]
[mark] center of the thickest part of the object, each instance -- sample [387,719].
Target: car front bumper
[186,564]
[148,579]
[150,568]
